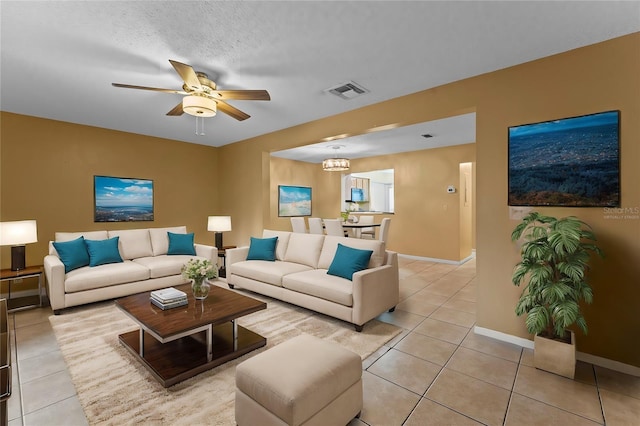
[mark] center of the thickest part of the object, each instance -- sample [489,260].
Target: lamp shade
[18,232]
[219,223]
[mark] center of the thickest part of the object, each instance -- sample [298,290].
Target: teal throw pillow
[103,251]
[348,261]
[181,244]
[73,254]
[262,249]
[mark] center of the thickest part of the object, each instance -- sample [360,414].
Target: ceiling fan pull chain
[201,131]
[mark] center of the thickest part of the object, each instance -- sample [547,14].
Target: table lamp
[16,234]
[219,224]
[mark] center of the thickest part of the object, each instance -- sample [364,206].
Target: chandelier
[335,164]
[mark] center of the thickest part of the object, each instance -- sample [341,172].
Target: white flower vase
[200,288]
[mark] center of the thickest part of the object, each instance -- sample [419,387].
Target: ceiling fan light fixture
[199,106]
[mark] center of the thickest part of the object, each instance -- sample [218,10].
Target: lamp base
[17,258]
[219,240]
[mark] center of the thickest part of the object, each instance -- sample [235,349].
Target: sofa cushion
[73,254]
[317,283]
[304,249]
[181,244]
[88,278]
[160,239]
[283,241]
[165,265]
[133,243]
[331,244]
[103,251]
[348,261]
[267,272]
[263,249]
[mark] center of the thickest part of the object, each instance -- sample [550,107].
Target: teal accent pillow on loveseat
[348,260]
[262,249]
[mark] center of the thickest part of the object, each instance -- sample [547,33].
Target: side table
[222,252]
[29,272]
[5,362]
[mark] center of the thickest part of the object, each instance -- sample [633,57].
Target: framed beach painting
[119,199]
[294,201]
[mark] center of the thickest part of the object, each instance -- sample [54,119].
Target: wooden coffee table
[179,343]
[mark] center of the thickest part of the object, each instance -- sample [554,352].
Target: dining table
[357,227]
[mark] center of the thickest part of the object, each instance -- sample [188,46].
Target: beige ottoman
[303,381]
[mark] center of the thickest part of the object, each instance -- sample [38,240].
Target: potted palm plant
[554,257]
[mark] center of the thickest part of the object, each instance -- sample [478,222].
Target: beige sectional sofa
[145,266]
[299,276]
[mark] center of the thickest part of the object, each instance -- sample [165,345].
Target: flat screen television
[572,161]
[357,194]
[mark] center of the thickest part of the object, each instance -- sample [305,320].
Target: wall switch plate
[518,213]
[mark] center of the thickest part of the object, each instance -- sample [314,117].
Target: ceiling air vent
[348,90]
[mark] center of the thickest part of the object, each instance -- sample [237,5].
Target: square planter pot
[554,356]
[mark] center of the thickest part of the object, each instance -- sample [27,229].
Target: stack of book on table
[168,298]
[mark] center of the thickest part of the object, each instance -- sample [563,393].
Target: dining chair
[367,232]
[334,227]
[315,225]
[298,225]
[384,229]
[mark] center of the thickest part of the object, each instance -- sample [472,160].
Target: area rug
[114,388]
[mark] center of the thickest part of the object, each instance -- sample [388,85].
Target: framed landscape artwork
[573,162]
[294,201]
[122,199]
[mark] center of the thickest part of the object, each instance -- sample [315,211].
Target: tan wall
[595,78]
[47,170]
[427,228]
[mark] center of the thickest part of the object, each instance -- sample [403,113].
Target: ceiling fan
[203,99]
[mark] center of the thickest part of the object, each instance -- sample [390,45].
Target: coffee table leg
[235,335]
[210,343]
[141,343]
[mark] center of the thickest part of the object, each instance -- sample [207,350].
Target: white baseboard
[503,337]
[432,259]
[581,356]
[608,363]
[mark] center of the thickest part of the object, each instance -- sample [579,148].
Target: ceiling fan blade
[232,111]
[187,74]
[243,95]
[155,89]
[177,110]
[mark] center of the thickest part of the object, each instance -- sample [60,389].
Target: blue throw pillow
[181,244]
[348,261]
[103,251]
[262,249]
[73,254]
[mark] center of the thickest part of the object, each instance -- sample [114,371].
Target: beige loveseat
[299,276]
[146,266]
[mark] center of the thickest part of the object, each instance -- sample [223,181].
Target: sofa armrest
[54,272]
[376,290]
[236,255]
[209,252]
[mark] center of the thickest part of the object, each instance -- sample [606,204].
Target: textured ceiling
[58,59]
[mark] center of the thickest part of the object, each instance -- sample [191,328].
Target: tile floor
[436,372]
